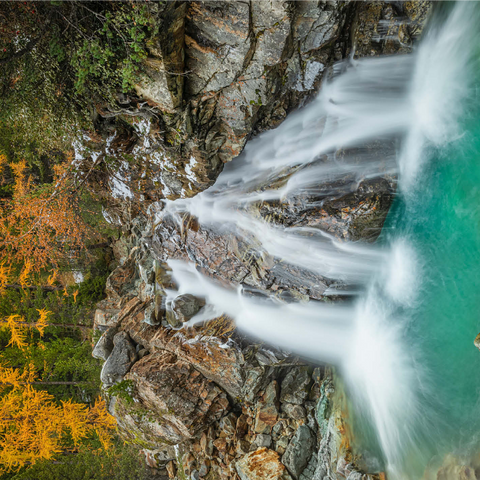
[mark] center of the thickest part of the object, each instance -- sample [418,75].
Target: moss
[124,390]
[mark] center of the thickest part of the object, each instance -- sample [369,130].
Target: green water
[440,218]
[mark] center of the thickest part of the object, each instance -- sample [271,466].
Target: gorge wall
[205,401]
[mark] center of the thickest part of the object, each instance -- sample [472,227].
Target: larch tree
[34,427]
[41,225]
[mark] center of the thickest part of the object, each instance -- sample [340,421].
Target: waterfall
[374,117]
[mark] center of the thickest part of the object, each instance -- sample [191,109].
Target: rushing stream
[404,347]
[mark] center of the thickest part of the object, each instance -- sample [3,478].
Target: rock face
[173,402]
[222,71]
[229,407]
[203,401]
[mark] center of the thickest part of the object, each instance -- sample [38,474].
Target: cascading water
[406,341]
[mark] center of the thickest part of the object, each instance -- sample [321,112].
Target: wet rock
[224,256]
[299,451]
[476,342]
[104,346]
[173,401]
[149,316]
[185,306]
[119,362]
[295,386]
[171,319]
[263,464]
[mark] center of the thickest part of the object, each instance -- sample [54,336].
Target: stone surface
[299,451]
[295,386]
[122,357]
[221,365]
[185,306]
[263,464]
[476,342]
[104,346]
[173,401]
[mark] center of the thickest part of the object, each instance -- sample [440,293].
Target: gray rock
[185,307]
[262,440]
[299,451]
[104,346]
[120,361]
[309,471]
[297,412]
[150,316]
[254,380]
[295,386]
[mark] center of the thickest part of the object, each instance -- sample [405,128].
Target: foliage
[124,390]
[119,463]
[41,225]
[59,61]
[63,353]
[33,426]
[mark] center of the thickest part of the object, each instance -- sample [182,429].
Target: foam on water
[410,103]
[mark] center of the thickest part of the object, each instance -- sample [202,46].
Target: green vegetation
[121,463]
[61,62]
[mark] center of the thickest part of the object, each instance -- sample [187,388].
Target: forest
[60,63]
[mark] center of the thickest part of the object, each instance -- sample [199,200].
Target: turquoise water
[440,219]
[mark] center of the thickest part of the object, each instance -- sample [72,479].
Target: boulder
[106,314]
[104,346]
[185,306]
[120,361]
[208,354]
[295,386]
[267,412]
[263,464]
[299,451]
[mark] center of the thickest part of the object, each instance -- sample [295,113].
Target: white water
[374,117]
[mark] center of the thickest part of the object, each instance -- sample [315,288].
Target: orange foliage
[17,326]
[34,427]
[41,225]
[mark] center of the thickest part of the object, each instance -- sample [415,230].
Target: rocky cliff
[204,401]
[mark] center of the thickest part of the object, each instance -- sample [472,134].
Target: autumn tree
[41,225]
[33,426]
[62,355]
